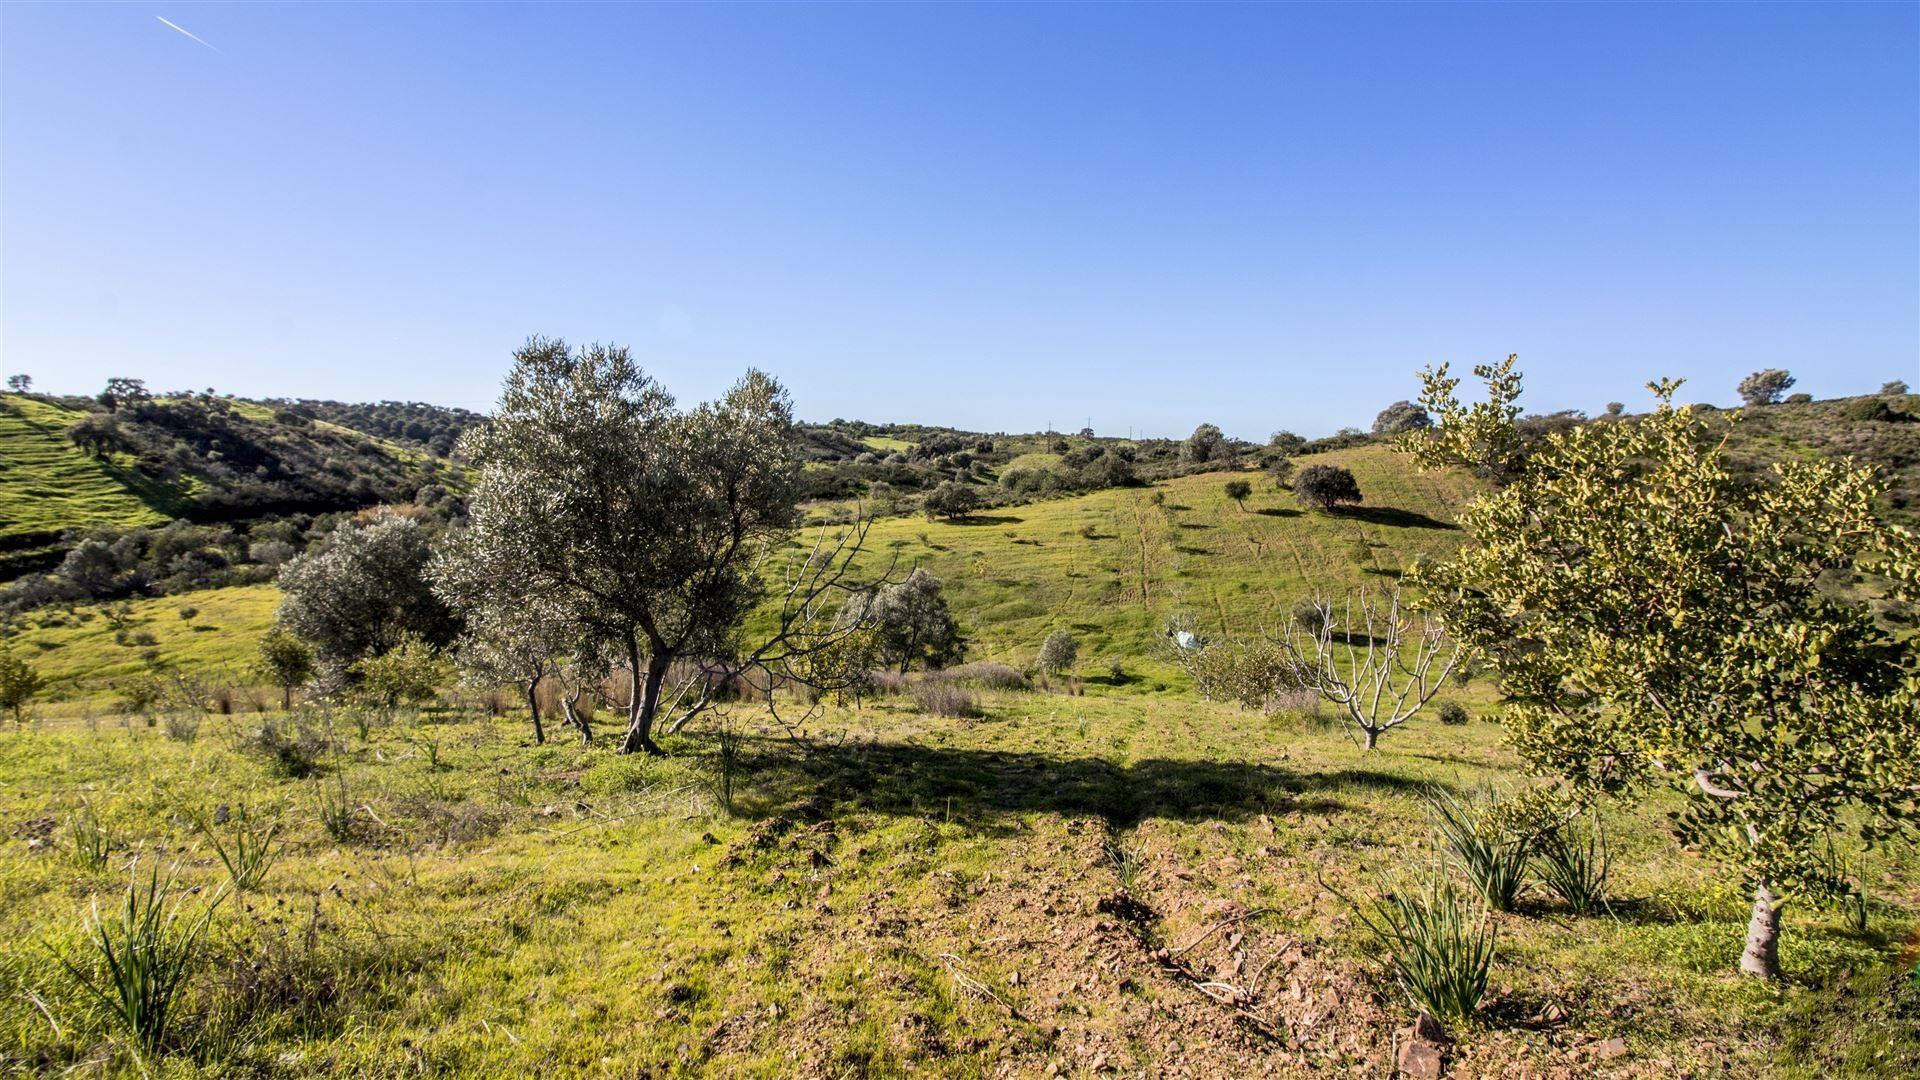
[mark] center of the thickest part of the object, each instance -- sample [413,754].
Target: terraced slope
[47,485]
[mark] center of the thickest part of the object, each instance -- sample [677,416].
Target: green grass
[47,485]
[1015,573]
[911,894]
[886,443]
[80,656]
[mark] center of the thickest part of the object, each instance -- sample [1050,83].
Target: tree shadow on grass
[1389,515]
[1277,511]
[986,519]
[987,787]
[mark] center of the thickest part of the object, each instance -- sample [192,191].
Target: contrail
[189,33]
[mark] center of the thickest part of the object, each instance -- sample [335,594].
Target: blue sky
[998,217]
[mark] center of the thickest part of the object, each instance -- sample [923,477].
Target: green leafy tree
[409,673]
[951,499]
[1656,618]
[19,683]
[1207,443]
[1281,470]
[1238,490]
[121,392]
[20,384]
[1325,487]
[513,634]
[1399,417]
[1765,387]
[285,661]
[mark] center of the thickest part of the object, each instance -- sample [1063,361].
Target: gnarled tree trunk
[645,701]
[533,710]
[1762,957]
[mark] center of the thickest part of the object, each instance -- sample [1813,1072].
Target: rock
[1421,1060]
[1428,1029]
[1612,1048]
[1423,1048]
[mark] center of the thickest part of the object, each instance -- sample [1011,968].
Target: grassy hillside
[200,458]
[1012,574]
[47,485]
[82,653]
[1116,565]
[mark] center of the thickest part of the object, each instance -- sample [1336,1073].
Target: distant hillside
[1113,566]
[1880,432]
[70,464]
[433,428]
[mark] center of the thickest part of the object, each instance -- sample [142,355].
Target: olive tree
[1238,490]
[951,499]
[512,633]
[650,526]
[363,590]
[1765,387]
[1657,618]
[1058,652]
[910,623]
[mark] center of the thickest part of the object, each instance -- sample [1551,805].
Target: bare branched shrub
[945,697]
[989,676]
[1372,659]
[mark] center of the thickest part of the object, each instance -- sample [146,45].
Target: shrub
[1799,399]
[945,697]
[1441,953]
[183,727]
[1452,713]
[291,749]
[1494,862]
[1325,487]
[19,682]
[1058,651]
[990,676]
[148,956]
[1896,388]
[1765,387]
[1281,470]
[1868,408]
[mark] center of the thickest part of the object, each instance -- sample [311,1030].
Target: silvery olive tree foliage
[652,528]
[1657,619]
[513,634]
[362,591]
[909,621]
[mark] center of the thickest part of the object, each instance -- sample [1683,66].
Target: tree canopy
[1657,618]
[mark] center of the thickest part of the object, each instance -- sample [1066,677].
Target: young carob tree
[1657,618]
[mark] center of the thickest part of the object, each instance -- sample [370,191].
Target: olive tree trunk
[645,701]
[533,710]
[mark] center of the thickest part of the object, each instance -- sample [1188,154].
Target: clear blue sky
[995,217]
